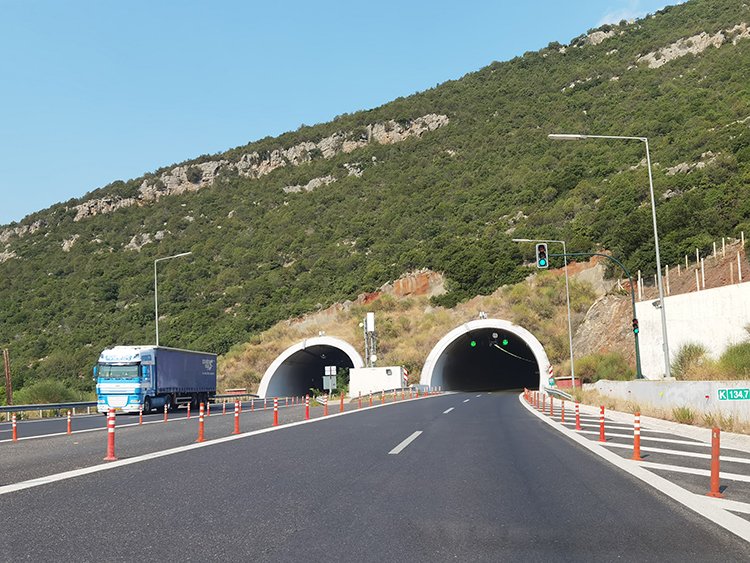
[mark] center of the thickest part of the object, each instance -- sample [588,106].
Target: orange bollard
[110,436]
[601,424]
[252,405]
[69,425]
[403,394]
[341,403]
[307,407]
[201,424]
[223,408]
[165,412]
[14,433]
[562,412]
[382,397]
[715,448]
[551,409]
[544,402]
[236,417]
[578,416]
[370,398]
[188,410]
[325,407]
[276,411]
[265,403]
[140,415]
[637,437]
[208,408]
[359,400]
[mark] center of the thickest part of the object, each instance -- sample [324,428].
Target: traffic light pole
[638,373]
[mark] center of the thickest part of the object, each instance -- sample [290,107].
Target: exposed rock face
[311,185]
[21,230]
[138,241]
[687,167]
[193,177]
[695,45]
[598,37]
[6,255]
[68,243]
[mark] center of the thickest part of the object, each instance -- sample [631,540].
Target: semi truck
[129,378]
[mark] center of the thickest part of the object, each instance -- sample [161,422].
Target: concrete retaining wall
[701,396]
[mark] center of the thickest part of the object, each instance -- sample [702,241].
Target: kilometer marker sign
[734,394]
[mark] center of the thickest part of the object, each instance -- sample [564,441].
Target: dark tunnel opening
[488,359]
[304,370]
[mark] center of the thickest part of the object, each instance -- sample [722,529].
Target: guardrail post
[14,433]
[110,436]
[201,424]
[601,424]
[70,429]
[637,437]
[578,416]
[307,407]
[236,417]
[715,449]
[276,411]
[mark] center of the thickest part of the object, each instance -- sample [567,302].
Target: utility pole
[8,382]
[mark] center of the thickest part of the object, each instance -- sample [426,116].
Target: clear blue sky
[93,91]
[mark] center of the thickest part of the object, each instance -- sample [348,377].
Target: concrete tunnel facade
[484,355]
[301,366]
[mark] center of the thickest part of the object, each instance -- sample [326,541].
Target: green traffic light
[542,262]
[473,343]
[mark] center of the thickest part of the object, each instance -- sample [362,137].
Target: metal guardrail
[558,393]
[46,406]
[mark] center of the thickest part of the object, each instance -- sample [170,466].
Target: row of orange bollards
[533,399]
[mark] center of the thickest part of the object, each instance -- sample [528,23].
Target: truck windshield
[118,372]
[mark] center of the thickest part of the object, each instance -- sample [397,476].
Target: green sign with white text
[734,394]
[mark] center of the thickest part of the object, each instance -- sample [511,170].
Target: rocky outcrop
[597,37]
[193,177]
[311,185]
[687,167]
[21,230]
[6,255]
[67,244]
[138,241]
[695,45]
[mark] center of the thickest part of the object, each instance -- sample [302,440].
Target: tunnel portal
[302,366]
[486,355]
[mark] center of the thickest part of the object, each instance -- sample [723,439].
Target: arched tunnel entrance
[301,367]
[485,355]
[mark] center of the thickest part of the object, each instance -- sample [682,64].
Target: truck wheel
[147,404]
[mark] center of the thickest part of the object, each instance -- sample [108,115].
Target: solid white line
[698,503]
[678,452]
[5,489]
[397,450]
[693,471]
[449,410]
[466,400]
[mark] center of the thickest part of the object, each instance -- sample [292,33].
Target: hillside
[440,180]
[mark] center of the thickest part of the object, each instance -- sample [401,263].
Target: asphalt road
[485,481]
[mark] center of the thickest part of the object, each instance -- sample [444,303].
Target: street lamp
[573,137]
[156,291]
[567,299]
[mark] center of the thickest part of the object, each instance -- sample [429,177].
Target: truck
[131,378]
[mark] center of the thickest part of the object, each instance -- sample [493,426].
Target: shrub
[683,415]
[594,367]
[688,358]
[194,174]
[45,391]
[735,361]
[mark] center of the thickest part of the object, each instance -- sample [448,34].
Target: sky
[93,91]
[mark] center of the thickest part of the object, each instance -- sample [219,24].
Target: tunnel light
[473,343]
[505,341]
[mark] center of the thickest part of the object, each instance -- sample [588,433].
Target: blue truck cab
[129,378]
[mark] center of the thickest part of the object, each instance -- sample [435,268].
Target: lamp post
[567,299]
[573,137]
[156,290]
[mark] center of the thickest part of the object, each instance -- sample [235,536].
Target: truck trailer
[129,378]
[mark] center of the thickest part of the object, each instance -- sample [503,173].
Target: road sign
[330,370]
[329,382]
[734,394]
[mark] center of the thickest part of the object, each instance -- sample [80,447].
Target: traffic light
[473,343]
[541,255]
[635,326]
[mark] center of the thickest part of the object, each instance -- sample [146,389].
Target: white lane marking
[733,505]
[447,411]
[13,487]
[650,438]
[478,395]
[397,450]
[700,504]
[694,471]
[466,400]
[615,426]
[679,453]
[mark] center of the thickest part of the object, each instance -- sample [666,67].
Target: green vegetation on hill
[445,201]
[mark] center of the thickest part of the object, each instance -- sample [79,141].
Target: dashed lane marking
[466,400]
[398,449]
[447,411]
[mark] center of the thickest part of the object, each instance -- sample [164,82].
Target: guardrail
[558,393]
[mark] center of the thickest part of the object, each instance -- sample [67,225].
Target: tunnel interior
[487,359]
[304,370]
